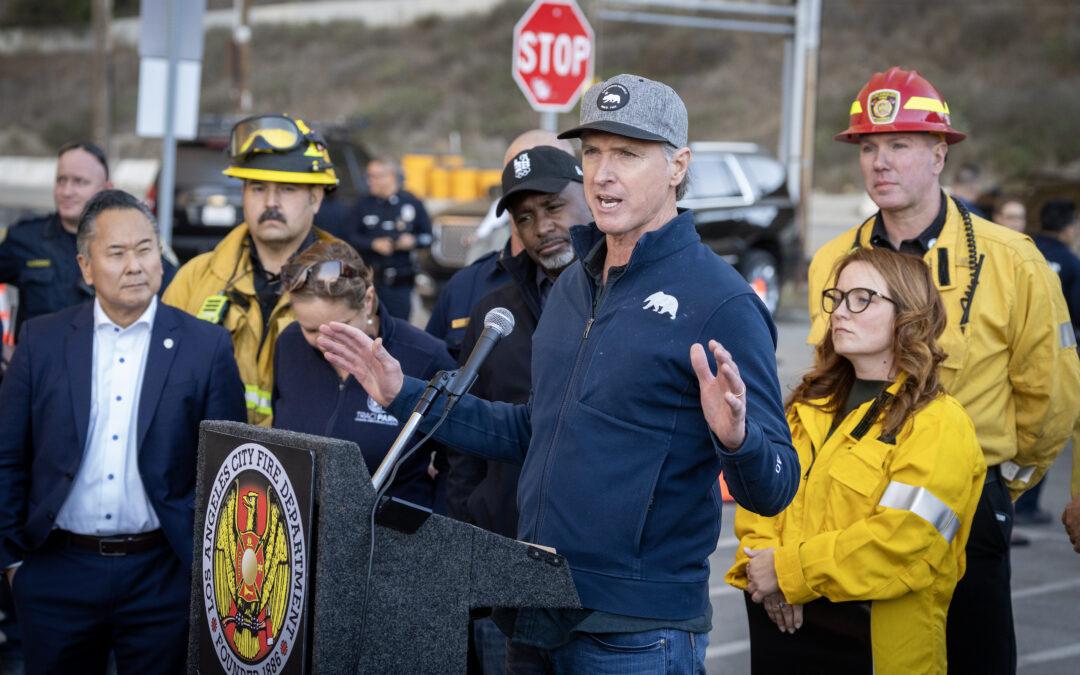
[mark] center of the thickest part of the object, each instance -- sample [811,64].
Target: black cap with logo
[544,169]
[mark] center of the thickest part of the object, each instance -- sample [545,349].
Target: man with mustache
[543,192]
[286,170]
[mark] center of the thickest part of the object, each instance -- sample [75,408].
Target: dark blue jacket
[189,376]
[620,468]
[309,397]
[481,491]
[38,256]
[450,316]
[375,217]
[1067,265]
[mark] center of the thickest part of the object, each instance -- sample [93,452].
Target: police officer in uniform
[37,254]
[388,225]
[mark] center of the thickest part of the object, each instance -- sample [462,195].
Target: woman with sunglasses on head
[856,575]
[329,282]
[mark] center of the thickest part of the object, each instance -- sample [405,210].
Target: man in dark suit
[100,411]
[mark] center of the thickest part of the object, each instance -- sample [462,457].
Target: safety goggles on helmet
[269,133]
[857,299]
[329,274]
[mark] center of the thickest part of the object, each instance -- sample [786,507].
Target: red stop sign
[553,54]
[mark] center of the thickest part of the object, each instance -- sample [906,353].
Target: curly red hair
[919,322]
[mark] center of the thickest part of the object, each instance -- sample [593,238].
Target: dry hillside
[1010,70]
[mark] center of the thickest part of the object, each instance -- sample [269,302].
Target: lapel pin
[169,343]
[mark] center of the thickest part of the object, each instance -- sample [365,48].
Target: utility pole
[101,12]
[242,43]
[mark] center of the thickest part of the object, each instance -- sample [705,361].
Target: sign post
[553,59]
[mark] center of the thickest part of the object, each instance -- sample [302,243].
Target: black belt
[116,545]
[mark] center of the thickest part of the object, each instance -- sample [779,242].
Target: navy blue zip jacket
[619,466]
[309,397]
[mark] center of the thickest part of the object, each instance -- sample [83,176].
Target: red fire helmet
[899,101]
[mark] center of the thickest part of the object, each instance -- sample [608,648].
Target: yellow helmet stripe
[856,108]
[323,178]
[927,104]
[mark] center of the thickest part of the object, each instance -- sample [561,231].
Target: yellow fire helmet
[279,149]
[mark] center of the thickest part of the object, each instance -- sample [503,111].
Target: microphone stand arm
[438,384]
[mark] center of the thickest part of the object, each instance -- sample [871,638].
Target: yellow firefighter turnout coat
[226,271]
[877,520]
[1013,363]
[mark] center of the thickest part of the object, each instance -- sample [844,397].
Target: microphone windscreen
[501,320]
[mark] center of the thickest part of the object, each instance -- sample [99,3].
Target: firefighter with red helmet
[1012,358]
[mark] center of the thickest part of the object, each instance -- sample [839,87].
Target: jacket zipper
[813,458]
[337,408]
[559,422]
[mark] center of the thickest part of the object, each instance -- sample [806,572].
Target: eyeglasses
[857,299]
[329,274]
[268,133]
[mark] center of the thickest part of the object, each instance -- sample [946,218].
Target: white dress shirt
[107,496]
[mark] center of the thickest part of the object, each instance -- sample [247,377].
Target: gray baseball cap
[632,106]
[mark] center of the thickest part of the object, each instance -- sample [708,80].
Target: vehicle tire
[762,272]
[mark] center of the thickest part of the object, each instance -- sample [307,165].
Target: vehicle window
[198,166]
[765,173]
[710,177]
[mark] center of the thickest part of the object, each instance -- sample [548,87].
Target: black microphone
[498,323]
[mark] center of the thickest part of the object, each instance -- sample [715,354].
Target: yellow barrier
[463,184]
[489,182]
[416,169]
[438,183]
[447,177]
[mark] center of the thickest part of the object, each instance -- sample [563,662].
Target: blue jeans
[667,651]
[490,643]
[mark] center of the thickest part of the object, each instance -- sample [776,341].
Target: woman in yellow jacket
[856,575]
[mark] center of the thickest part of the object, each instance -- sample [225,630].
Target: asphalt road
[1046,574]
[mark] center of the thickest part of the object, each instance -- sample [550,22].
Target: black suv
[207,203]
[739,197]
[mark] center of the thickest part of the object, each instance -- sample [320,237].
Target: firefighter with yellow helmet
[286,171]
[1012,359]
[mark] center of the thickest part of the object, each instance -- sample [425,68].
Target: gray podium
[422,585]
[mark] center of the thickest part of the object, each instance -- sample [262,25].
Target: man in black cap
[543,193]
[627,426]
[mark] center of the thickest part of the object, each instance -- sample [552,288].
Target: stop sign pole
[553,57]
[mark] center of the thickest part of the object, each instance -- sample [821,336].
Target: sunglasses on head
[329,274]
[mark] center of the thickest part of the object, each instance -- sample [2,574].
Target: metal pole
[549,121]
[783,148]
[242,40]
[101,18]
[168,143]
[812,11]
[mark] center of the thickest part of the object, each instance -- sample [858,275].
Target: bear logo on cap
[613,97]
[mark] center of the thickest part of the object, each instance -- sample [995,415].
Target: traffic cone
[724,492]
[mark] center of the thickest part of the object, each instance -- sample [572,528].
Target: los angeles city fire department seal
[253,561]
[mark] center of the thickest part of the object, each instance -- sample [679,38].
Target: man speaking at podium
[619,466]
[100,412]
